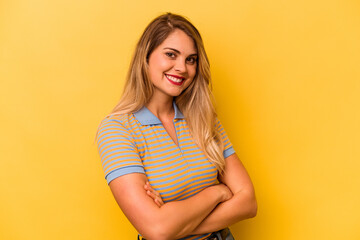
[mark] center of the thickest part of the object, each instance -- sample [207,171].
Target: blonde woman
[166,156]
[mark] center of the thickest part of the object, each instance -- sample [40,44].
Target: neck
[161,107]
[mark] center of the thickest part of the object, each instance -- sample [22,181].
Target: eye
[191,60]
[170,54]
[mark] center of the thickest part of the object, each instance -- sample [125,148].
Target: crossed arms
[210,210]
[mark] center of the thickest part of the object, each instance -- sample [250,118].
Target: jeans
[224,234]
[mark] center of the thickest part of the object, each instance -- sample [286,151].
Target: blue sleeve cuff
[229,151]
[123,171]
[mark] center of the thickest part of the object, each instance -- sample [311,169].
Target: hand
[225,192]
[153,194]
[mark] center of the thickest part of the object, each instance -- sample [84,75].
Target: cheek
[154,68]
[192,71]
[158,65]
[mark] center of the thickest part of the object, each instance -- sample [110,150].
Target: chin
[174,93]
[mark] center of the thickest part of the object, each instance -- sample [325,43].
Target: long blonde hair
[195,102]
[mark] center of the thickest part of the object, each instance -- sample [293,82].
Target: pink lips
[175,83]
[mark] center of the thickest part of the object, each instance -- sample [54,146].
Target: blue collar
[145,117]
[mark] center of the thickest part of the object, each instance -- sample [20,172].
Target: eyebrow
[178,52]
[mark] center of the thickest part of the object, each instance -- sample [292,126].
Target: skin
[176,56]
[213,208]
[240,206]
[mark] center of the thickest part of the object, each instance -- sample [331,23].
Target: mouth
[176,80]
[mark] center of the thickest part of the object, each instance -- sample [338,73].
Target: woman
[166,157]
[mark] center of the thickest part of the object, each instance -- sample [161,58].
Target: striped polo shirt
[138,143]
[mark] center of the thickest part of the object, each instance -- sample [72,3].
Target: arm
[241,206]
[172,220]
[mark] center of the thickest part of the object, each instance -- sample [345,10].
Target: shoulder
[118,124]
[218,125]
[125,120]
[119,118]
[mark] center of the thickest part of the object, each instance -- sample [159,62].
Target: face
[172,65]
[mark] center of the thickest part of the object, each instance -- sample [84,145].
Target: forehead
[180,41]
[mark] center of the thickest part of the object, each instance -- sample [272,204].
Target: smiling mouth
[175,79]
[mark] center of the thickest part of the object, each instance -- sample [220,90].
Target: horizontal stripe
[131,143]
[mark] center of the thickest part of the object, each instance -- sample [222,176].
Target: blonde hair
[195,102]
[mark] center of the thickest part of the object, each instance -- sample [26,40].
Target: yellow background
[287,82]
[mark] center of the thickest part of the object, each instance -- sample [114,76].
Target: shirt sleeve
[228,148]
[117,150]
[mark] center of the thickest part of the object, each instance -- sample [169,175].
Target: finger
[148,187]
[152,195]
[159,201]
[156,193]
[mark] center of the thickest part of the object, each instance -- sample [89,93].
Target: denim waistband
[223,234]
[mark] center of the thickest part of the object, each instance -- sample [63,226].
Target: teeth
[174,78]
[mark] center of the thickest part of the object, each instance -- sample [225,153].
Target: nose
[180,65]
